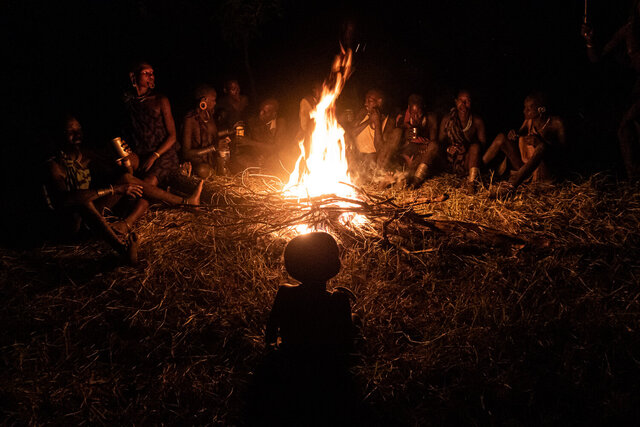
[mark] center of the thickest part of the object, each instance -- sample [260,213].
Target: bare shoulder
[189,119]
[244,101]
[556,121]
[163,101]
[477,121]
[54,168]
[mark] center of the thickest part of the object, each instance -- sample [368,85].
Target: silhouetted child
[307,319]
[306,381]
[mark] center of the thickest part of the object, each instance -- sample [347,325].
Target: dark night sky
[74,55]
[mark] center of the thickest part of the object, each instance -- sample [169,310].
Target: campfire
[320,195]
[324,169]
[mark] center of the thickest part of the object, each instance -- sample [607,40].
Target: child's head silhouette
[312,257]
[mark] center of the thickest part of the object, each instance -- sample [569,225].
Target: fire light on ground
[323,171]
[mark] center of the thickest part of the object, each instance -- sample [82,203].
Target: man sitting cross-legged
[462,134]
[528,148]
[75,200]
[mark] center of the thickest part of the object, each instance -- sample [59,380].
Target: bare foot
[194,199]
[185,169]
[120,227]
[131,255]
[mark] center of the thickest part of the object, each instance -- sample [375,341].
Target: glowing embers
[323,171]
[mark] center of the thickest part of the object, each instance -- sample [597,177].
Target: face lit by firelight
[144,78]
[463,102]
[268,112]
[415,113]
[372,100]
[72,131]
[233,88]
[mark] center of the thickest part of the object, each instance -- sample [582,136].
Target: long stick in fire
[585,11]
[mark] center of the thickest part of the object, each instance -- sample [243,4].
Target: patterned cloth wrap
[77,177]
[146,131]
[458,143]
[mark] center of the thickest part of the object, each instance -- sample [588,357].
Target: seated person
[232,107]
[462,134]
[306,319]
[373,136]
[529,147]
[74,199]
[419,146]
[260,147]
[200,141]
[306,126]
[624,44]
[307,105]
[149,128]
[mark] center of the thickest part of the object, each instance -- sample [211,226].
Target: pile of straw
[474,310]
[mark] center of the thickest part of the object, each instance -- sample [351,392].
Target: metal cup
[119,145]
[413,134]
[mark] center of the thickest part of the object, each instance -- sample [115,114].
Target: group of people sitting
[419,145]
[221,138]
[84,185]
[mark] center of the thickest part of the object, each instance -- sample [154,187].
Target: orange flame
[324,169]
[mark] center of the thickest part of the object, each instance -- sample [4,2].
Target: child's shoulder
[343,293]
[287,289]
[342,297]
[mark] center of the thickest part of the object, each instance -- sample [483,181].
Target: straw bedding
[474,311]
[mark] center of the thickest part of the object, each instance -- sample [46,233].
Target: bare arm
[433,127]
[190,130]
[82,197]
[378,132]
[442,134]
[481,133]
[552,135]
[558,127]
[171,135]
[281,132]
[592,52]
[170,125]
[618,38]
[358,127]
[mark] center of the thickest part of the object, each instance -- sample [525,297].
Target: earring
[203,104]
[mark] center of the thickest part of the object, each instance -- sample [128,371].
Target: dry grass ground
[479,312]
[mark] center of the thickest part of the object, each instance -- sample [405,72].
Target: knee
[203,170]
[151,180]
[500,139]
